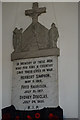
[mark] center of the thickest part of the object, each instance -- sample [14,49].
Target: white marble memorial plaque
[35,83]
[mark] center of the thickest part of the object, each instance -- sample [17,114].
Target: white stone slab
[35,83]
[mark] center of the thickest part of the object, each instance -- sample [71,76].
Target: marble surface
[35,83]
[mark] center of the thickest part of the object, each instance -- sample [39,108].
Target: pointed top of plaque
[36,40]
[35,12]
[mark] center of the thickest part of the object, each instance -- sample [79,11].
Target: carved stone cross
[35,12]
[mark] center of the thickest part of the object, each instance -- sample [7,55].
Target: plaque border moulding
[36,41]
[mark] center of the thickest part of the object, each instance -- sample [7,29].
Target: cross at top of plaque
[35,12]
[36,40]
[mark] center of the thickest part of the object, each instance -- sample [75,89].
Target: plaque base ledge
[35,54]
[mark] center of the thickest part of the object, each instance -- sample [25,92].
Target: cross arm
[28,12]
[42,10]
[39,11]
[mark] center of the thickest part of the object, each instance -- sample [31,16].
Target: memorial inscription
[35,64]
[35,80]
